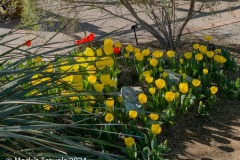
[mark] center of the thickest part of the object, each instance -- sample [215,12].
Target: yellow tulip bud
[142,98]
[169,96]
[183,87]
[152,90]
[156,129]
[214,89]
[133,114]
[109,117]
[154,116]
[129,141]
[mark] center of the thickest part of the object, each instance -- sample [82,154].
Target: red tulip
[116,50]
[89,38]
[28,43]
[85,40]
[77,42]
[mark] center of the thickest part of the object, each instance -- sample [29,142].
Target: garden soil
[213,137]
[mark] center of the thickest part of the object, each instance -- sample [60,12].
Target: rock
[175,78]
[127,77]
[130,97]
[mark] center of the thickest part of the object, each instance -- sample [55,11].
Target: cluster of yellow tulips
[94,72]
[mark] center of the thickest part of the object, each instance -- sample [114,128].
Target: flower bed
[83,85]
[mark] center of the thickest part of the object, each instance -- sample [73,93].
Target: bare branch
[189,16]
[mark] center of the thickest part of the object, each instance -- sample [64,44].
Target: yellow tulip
[77,78]
[220,59]
[49,68]
[34,92]
[214,89]
[154,116]
[91,69]
[205,71]
[108,46]
[157,54]
[89,98]
[118,44]
[120,98]
[208,38]
[89,52]
[210,54]
[66,67]
[154,62]
[37,59]
[196,82]
[218,51]
[68,79]
[149,79]
[77,110]
[129,48]
[183,87]
[108,41]
[99,52]
[37,79]
[196,46]
[156,129]
[88,109]
[165,74]
[98,87]
[146,73]
[181,61]
[108,61]
[81,61]
[91,59]
[138,56]
[109,102]
[199,57]
[136,50]
[133,114]
[188,55]
[74,98]
[47,107]
[142,98]
[78,86]
[160,83]
[223,60]
[152,90]
[100,64]
[160,69]
[105,79]
[169,96]
[170,54]
[113,83]
[129,141]
[77,82]
[126,55]
[203,49]
[92,79]
[146,52]
[109,117]
[108,50]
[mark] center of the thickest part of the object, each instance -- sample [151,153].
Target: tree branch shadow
[217,128]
